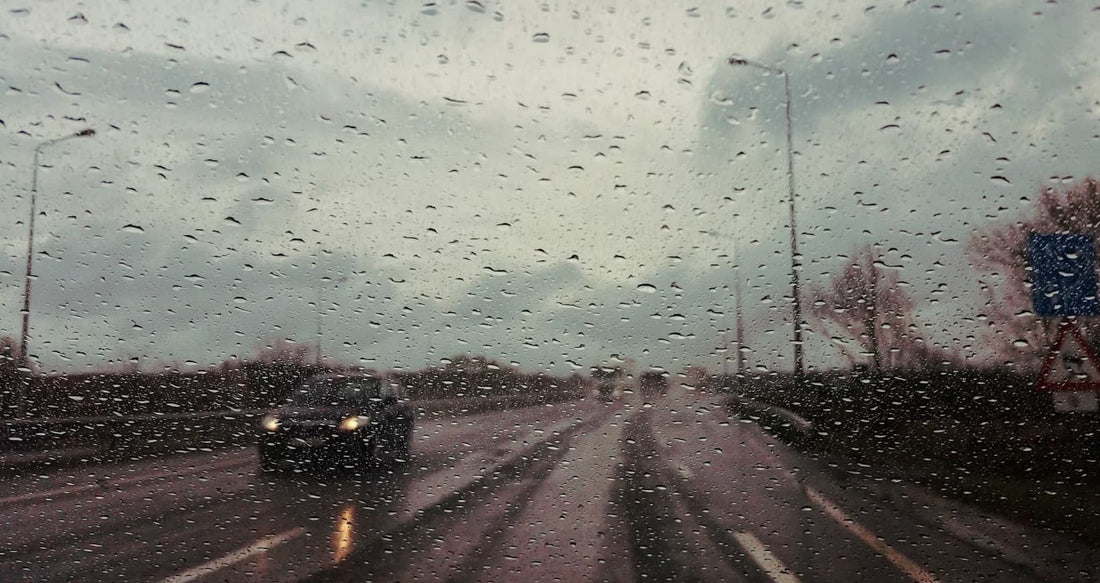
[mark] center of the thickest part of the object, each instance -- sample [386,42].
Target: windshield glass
[756,291]
[337,392]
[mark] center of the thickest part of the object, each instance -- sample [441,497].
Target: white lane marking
[70,490]
[765,559]
[242,554]
[907,566]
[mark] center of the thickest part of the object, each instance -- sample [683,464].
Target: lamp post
[320,300]
[796,288]
[23,354]
[738,310]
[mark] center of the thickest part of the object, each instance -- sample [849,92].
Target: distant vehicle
[610,382]
[653,383]
[352,420]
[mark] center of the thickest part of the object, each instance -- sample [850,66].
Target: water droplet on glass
[541,37]
[647,288]
[200,87]
[133,229]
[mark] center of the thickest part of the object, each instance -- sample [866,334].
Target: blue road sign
[1063,275]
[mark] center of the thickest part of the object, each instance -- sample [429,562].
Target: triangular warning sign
[1071,364]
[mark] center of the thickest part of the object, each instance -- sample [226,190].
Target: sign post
[1063,272]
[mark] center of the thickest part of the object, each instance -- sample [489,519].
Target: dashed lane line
[242,554]
[765,559]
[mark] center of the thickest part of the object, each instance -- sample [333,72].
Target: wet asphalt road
[670,490]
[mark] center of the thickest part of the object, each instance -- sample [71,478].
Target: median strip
[905,564]
[77,489]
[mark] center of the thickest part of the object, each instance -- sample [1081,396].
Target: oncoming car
[342,420]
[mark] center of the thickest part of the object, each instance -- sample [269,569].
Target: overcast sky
[549,184]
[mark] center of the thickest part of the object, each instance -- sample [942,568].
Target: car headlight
[270,422]
[354,422]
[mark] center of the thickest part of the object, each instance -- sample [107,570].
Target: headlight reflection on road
[341,536]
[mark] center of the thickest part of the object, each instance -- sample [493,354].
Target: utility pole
[740,325]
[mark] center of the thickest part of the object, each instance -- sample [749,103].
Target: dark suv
[342,420]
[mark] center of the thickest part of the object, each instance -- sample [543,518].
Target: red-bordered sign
[1045,384]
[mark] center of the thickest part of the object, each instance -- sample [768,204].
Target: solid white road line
[70,490]
[243,554]
[765,559]
[907,566]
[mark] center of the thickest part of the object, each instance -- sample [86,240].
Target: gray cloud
[455,223]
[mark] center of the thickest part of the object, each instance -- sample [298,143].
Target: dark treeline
[477,376]
[95,394]
[261,382]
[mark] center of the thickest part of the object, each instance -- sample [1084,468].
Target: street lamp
[738,310]
[320,300]
[796,293]
[84,133]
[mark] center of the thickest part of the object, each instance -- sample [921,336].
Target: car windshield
[768,291]
[337,392]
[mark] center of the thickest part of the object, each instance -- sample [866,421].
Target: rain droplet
[1001,180]
[200,87]
[541,37]
[475,6]
[643,95]
[1020,343]
[232,221]
[133,229]
[647,288]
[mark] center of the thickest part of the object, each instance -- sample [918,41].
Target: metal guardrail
[794,419]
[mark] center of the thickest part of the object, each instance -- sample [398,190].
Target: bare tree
[869,305]
[1000,250]
[284,351]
